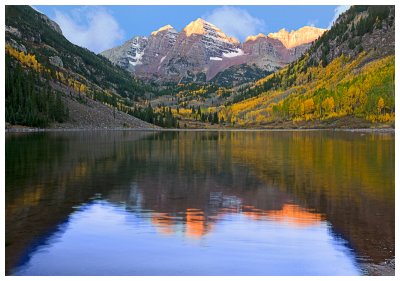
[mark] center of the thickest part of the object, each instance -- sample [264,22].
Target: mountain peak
[164,28]
[255,37]
[294,38]
[196,27]
[200,20]
[202,27]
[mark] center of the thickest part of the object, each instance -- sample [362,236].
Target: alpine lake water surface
[199,203]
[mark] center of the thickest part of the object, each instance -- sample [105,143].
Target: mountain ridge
[201,50]
[295,38]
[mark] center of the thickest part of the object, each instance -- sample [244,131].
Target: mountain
[47,74]
[197,46]
[201,50]
[264,54]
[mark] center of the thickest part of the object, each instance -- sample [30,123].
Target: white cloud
[338,10]
[235,22]
[90,27]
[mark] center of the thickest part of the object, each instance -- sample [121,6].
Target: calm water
[198,203]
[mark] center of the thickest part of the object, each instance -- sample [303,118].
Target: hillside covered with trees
[42,66]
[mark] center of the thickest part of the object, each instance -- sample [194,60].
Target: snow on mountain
[159,44]
[129,54]
[136,60]
[237,52]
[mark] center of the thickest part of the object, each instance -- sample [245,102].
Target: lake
[199,203]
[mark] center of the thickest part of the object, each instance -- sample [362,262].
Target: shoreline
[386,268]
[36,130]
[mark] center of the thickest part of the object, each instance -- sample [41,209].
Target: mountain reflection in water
[197,223]
[198,203]
[110,240]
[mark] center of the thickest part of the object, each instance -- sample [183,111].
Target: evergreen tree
[210,117]
[215,118]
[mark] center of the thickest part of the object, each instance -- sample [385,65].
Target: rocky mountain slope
[368,29]
[49,80]
[346,78]
[201,50]
[30,31]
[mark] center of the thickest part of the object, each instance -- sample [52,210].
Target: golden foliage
[381,104]
[309,106]
[328,105]
[28,60]
[343,87]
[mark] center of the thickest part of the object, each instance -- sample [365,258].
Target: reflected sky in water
[101,238]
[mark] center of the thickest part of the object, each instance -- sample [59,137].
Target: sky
[102,27]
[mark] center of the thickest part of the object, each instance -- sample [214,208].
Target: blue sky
[101,27]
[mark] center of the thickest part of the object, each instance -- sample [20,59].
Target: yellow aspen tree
[381,105]
[328,105]
[302,109]
[309,106]
[82,88]
[21,57]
